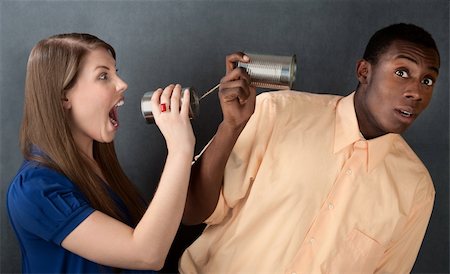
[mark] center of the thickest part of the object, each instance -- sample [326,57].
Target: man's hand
[237,97]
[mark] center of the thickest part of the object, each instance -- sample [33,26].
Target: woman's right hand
[107,241]
[173,121]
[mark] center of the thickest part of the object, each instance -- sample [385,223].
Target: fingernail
[246,58]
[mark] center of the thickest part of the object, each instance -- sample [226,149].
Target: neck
[84,144]
[365,123]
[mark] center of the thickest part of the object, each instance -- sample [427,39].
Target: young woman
[71,205]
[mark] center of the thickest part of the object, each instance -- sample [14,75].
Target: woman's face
[93,100]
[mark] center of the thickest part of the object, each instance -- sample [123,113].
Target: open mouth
[113,114]
[405,113]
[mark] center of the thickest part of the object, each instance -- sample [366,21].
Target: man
[318,183]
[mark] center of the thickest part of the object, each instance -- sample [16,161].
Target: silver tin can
[146,104]
[271,71]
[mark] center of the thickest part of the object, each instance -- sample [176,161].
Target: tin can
[271,71]
[146,104]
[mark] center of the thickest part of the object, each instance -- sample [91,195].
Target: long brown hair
[52,69]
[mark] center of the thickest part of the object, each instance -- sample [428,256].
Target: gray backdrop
[160,42]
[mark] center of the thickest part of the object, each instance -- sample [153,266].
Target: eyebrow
[435,69]
[101,67]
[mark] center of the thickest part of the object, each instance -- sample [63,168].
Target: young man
[318,183]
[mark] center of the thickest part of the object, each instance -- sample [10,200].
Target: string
[209,91]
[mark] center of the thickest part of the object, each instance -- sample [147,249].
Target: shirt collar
[347,133]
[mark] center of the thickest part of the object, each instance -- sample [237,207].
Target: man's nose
[414,91]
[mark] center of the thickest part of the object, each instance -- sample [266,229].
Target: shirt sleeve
[401,254]
[246,157]
[47,204]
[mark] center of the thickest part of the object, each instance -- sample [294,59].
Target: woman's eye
[427,81]
[401,73]
[103,76]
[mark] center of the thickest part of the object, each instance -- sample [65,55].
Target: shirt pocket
[358,254]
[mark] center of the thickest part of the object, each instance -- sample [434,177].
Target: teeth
[120,103]
[406,113]
[114,122]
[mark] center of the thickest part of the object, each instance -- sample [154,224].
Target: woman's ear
[363,68]
[66,103]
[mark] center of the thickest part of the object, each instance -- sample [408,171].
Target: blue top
[44,206]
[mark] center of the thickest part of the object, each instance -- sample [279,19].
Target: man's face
[394,91]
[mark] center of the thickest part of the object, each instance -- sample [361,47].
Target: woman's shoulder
[32,168]
[34,176]
[43,202]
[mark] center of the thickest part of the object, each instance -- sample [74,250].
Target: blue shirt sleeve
[46,203]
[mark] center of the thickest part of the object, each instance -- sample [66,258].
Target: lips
[406,114]
[113,113]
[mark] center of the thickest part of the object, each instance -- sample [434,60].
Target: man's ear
[363,68]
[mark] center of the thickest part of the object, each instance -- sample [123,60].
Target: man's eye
[427,81]
[103,76]
[401,73]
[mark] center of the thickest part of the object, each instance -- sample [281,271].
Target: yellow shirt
[305,193]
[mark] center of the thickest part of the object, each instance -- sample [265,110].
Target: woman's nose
[121,85]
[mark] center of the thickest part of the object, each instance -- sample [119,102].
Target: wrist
[231,129]
[228,133]
[180,151]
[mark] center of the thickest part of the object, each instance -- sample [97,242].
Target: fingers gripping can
[271,71]
[146,104]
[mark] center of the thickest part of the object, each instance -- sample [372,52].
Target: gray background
[160,42]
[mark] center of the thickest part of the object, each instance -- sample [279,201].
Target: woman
[71,205]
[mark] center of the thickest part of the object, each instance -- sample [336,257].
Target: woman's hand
[107,241]
[173,119]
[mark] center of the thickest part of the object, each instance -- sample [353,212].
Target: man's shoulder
[407,161]
[404,150]
[284,97]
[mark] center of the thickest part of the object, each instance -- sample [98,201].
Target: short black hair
[384,37]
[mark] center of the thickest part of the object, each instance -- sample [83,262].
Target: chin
[106,139]
[398,130]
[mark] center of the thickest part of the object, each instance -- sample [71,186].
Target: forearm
[105,240]
[207,175]
[237,101]
[158,227]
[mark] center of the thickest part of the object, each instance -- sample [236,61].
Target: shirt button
[348,172]
[330,206]
[312,240]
